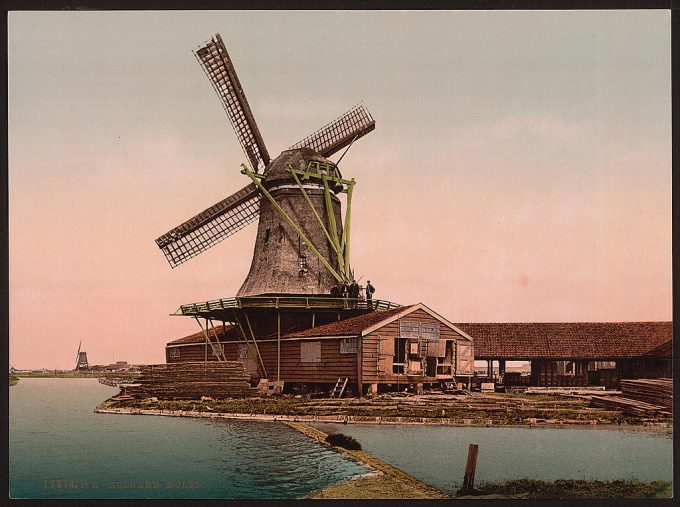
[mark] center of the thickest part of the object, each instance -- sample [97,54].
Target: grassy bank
[480,409]
[389,482]
[13,379]
[570,489]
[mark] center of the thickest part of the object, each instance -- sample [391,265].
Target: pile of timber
[657,392]
[643,398]
[186,381]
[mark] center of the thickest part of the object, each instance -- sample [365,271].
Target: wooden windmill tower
[302,245]
[81,359]
[302,248]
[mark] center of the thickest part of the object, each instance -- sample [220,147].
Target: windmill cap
[302,159]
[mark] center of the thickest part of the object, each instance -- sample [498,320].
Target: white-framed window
[173,353]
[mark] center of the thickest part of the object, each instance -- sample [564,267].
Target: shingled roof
[570,340]
[199,337]
[348,327]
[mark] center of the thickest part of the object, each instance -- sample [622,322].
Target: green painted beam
[331,222]
[284,215]
[318,218]
[346,230]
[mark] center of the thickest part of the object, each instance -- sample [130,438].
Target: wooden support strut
[220,347]
[245,338]
[278,346]
[331,222]
[215,350]
[316,214]
[290,222]
[252,335]
[346,229]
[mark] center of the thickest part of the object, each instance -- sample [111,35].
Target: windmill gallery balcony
[218,309]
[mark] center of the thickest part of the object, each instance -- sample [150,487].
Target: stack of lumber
[643,398]
[657,392]
[192,380]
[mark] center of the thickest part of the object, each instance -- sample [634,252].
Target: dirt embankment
[477,409]
[386,481]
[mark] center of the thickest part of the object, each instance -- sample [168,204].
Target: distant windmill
[302,246]
[81,359]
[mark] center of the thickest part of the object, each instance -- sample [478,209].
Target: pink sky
[520,169]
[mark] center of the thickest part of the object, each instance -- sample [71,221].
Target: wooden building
[576,353]
[379,350]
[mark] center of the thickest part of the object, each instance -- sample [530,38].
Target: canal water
[59,448]
[437,454]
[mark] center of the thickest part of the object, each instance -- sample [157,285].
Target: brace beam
[252,335]
[346,228]
[216,350]
[331,222]
[318,218]
[248,344]
[298,231]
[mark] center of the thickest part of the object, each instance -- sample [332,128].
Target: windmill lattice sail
[211,226]
[355,123]
[216,63]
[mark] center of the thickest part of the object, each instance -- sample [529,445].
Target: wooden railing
[311,302]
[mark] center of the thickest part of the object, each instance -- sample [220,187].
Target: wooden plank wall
[333,365]
[371,349]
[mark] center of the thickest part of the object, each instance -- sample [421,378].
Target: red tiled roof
[347,327]
[568,340]
[663,351]
[200,337]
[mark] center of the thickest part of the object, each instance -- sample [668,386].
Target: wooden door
[465,361]
[385,355]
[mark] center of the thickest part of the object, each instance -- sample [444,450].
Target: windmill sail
[210,226]
[355,123]
[78,354]
[216,63]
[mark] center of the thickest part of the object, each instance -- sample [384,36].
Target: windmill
[302,245]
[81,359]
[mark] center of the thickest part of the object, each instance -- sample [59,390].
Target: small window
[218,350]
[174,353]
[266,235]
[348,346]
[242,351]
[310,352]
[302,264]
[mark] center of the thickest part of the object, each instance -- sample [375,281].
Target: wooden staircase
[339,388]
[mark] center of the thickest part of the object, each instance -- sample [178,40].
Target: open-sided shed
[563,353]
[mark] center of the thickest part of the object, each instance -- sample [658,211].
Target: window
[348,346]
[302,263]
[174,353]
[218,350]
[310,352]
[242,351]
[399,360]
[399,350]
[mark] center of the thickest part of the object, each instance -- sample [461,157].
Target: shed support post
[278,346]
[360,385]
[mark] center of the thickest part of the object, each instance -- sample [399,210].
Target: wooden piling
[470,467]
